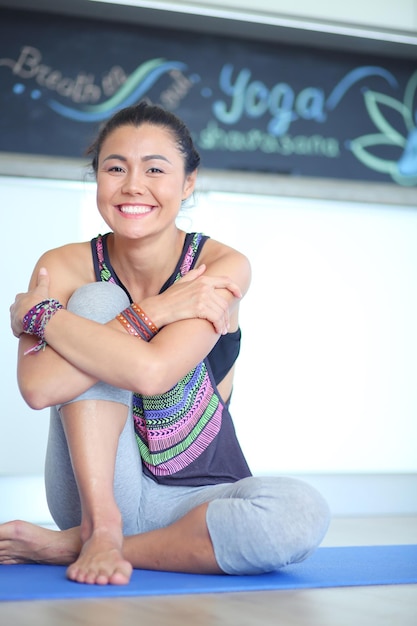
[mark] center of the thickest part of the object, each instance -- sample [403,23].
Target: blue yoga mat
[327,567]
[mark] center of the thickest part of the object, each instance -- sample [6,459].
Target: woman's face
[141,180]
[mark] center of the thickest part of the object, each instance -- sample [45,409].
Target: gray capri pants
[258,524]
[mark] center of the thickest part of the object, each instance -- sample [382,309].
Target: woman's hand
[25,301]
[196,295]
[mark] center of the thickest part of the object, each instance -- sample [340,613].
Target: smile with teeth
[136,209]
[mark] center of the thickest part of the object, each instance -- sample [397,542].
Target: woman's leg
[82,460]
[61,488]
[22,542]
[95,548]
[252,526]
[92,429]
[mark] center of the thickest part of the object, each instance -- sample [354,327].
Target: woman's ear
[189,184]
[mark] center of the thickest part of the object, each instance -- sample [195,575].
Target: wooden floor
[394,605]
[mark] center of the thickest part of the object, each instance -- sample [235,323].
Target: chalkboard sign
[252,106]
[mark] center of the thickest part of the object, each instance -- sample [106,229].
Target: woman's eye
[115,168]
[154,170]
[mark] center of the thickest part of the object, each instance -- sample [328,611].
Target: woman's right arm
[44,377]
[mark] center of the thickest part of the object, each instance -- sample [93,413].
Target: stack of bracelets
[137,323]
[37,318]
[133,319]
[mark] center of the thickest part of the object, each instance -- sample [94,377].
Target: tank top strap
[192,248]
[102,267]
[193,245]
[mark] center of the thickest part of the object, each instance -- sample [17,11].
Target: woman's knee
[271,522]
[98,301]
[298,521]
[302,519]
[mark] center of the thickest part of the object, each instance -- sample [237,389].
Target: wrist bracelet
[36,319]
[135,321]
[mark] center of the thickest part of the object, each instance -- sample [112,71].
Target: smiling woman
[142,449]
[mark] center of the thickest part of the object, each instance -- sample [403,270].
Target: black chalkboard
[251,106]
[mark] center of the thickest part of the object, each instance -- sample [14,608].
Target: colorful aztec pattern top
[186,435]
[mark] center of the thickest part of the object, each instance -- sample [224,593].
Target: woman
[169,489]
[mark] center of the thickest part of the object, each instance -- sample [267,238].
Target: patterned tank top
[185,436]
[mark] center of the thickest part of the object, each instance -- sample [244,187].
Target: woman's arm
[46,378]
[195,295]
[125,361]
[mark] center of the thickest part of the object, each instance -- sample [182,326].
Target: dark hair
[144,113]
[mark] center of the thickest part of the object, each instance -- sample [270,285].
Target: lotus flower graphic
[402,138]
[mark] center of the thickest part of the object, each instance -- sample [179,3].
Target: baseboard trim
[23,497]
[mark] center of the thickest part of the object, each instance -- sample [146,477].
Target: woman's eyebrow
[148,157]
[151,157]
[119,157]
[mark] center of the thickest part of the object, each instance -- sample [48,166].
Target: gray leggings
[256,525]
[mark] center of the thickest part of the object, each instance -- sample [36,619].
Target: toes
[73,573]
[120,576]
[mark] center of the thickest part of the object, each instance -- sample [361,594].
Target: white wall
[326,378]
[327,381]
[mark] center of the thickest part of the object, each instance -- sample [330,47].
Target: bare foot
[22,542]
[101,561]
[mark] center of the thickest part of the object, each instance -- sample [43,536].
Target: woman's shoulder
[214,249]
[69,266]
[224,259]
[74,251]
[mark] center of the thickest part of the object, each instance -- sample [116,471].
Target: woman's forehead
[139,138]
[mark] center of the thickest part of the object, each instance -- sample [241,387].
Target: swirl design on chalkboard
[135,86]
[354,77]
[400,139]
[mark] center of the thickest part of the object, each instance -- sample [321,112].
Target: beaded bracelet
[137,323]
[36,319]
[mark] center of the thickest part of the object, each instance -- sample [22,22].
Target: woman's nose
[134,183]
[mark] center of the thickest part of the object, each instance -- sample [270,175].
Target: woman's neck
[143,266]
